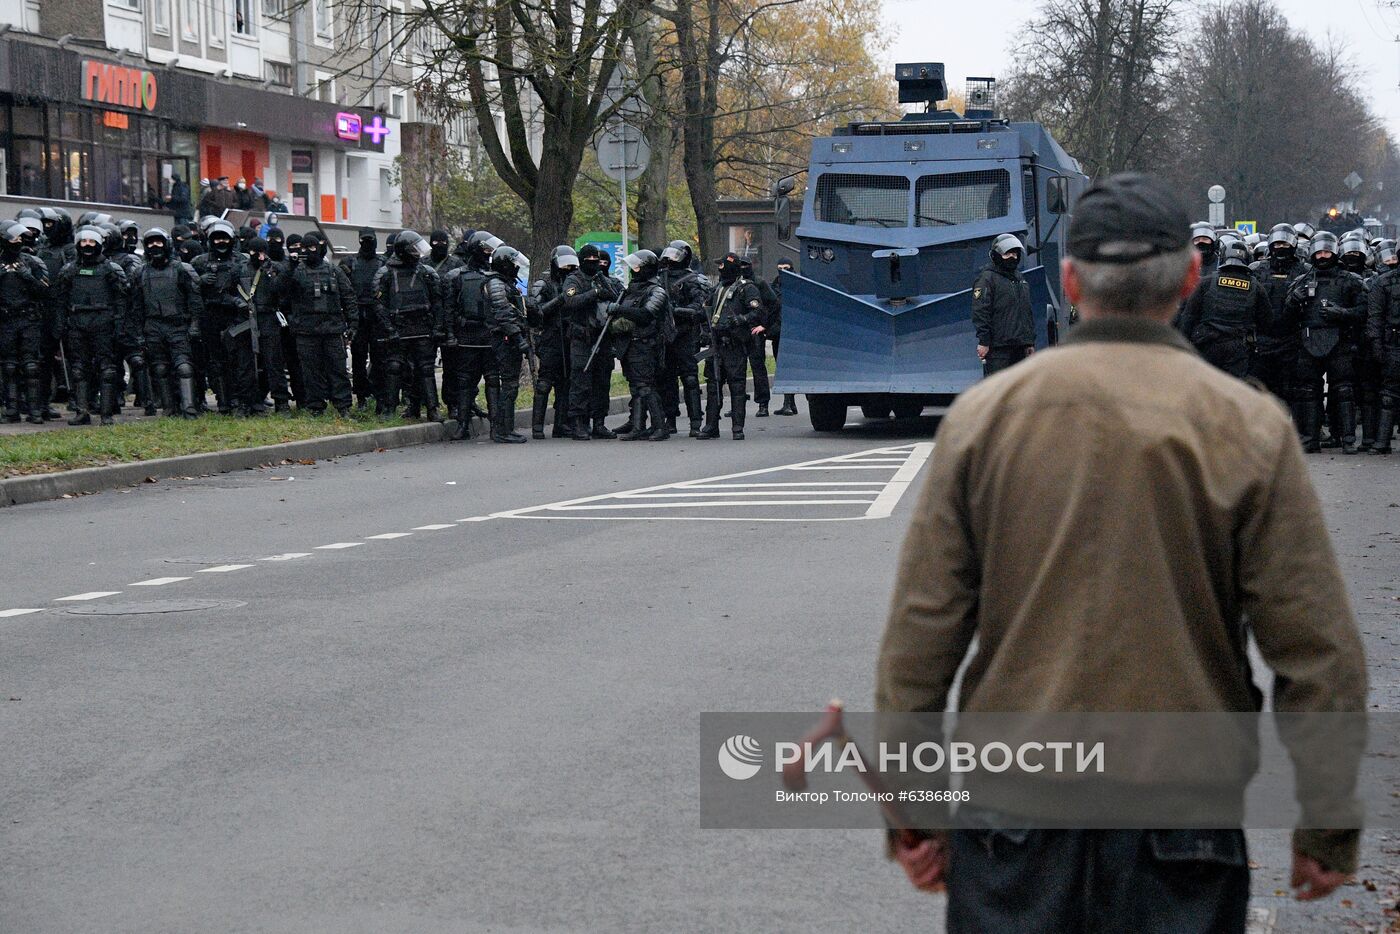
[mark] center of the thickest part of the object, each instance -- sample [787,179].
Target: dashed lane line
[385,536]
[159,581]
[223,568]
[435,527]
[90,595]
[337,546]
[289,556]
[20,611]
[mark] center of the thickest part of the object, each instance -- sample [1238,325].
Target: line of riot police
[1313,317]
[213,310]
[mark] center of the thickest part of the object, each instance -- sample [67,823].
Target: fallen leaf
[306,462]
[149,480]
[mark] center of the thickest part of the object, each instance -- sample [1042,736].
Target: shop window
[74,124]
[189,20]
[184,143]
[322,13]
[218,21]
[29,168]
[29,121]
[244,15]
[160,16]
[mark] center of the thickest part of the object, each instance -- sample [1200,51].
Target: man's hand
[982,350]
[757,330]
[926,862]
[1310,881]
[1029,351]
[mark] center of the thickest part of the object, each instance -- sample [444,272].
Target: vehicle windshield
[863,200]
[962,198]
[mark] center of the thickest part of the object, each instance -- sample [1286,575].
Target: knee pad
[31,369]
[136,362]
[160,370]
[542,387]
[109,374]
[184,370]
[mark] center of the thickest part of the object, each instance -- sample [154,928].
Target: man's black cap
[1128,217]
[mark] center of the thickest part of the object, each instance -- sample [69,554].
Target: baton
[63,359]
[588,365]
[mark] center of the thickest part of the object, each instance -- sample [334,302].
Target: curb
[17,491]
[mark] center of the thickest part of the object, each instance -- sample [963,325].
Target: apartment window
[396,104]
[275,8]
[321,11]
[218,21]
[324,89]
[280,73]
[386,190]
[160,16]
[127,4]
[189,19]
[245,15]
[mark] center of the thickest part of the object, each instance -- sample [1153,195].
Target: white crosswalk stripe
[862,485]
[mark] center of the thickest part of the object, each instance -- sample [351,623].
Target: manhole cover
[153,606]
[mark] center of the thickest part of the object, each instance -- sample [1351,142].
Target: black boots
[81,415]
[694,409]
[11,398]
[187,400]
[33,388]
[1307,414]
[1348,414]
[1385,427]
[633,430]
[660,425]
[789,405]
[762,410]
[602,432]
[388,404]
[503,423]
[712,407]
[1370,415]
[539,410]
[428,390]
[580,431]
[736,421]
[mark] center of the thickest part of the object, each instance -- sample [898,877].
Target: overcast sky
[976,39]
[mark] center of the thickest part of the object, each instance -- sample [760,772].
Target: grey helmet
[678,253]
[1324,240]
[563,258]
[92,233]
[1006,243]
[643,264]
[1385,252]
[1203,229]
[1261,249]
[1234,252]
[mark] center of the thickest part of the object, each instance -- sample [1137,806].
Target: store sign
[352,128]
[118,85]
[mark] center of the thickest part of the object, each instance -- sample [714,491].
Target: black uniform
[218,279]
[1224,315]
[257,290]
[689,292]
[57,253]
[1370,378]
[545,306]
[1329,305]
[320,304]
[638,332]
[24,313]
[408,305]
[166,309]
[588,389]
[506,313]
[1383,341]
[1278,344]
[91,302]
[468,345]
[758,349]
[735,308]
[366,362]
[1002,316]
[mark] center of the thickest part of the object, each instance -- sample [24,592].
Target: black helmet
[643,264]
[29,212]
[1233,252]
[155,233]
[14,232]
[128,224]
[509,263]
[1354,242]
[562,259]
[1324,241]
[410,245]
[678,254]
[113,236]
[93,235]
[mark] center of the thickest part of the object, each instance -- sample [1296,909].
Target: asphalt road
[489,723]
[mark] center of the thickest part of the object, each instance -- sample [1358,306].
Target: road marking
[159,581]
[794,500]
[90,595]
[479,518]
[336,546]
[223,568]
[20,612]
[434,528]
[389,535]
[288,556]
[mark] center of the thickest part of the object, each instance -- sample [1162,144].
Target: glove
[621,326]
[208,280]
[194,332]
[349,335]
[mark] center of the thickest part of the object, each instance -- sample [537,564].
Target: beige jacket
[1106,519]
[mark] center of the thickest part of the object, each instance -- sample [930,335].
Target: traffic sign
[1247,227]
[1216,194]
[1352,181]
[622,148]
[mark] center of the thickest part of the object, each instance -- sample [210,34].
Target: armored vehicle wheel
[875,410]
[908,408]
[828,413]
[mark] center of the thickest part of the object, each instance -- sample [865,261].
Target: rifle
[253,321]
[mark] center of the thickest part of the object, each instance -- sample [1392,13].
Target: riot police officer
[218,271]
[689,292]
[255,344]
[57,251]
[1383,340]
[440,256]
[1205,240]
[1277,345]
[466,320]
[735,309]
[408,307]
[1329,304]
[546,310]
[320,302]
[365,360]
[1001,308]
[636,322]
[166,309]
[758,348]
[590,360]
[775,329]
[1226,312]
[506,313]
[1356,259]
[24,287]
[90,296]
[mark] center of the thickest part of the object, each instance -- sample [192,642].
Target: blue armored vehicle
[897,220]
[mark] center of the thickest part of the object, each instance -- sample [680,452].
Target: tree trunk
[699,75]
[653,189]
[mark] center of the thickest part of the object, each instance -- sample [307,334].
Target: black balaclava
[314,247]
[294,249]
[89,253]
[730,265]
[439,242]
[276,245]
[588,260]
[158,253]
[369,243]
[256,248]
[1325,264]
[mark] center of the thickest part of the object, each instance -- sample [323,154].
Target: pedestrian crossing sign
[1246,228]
